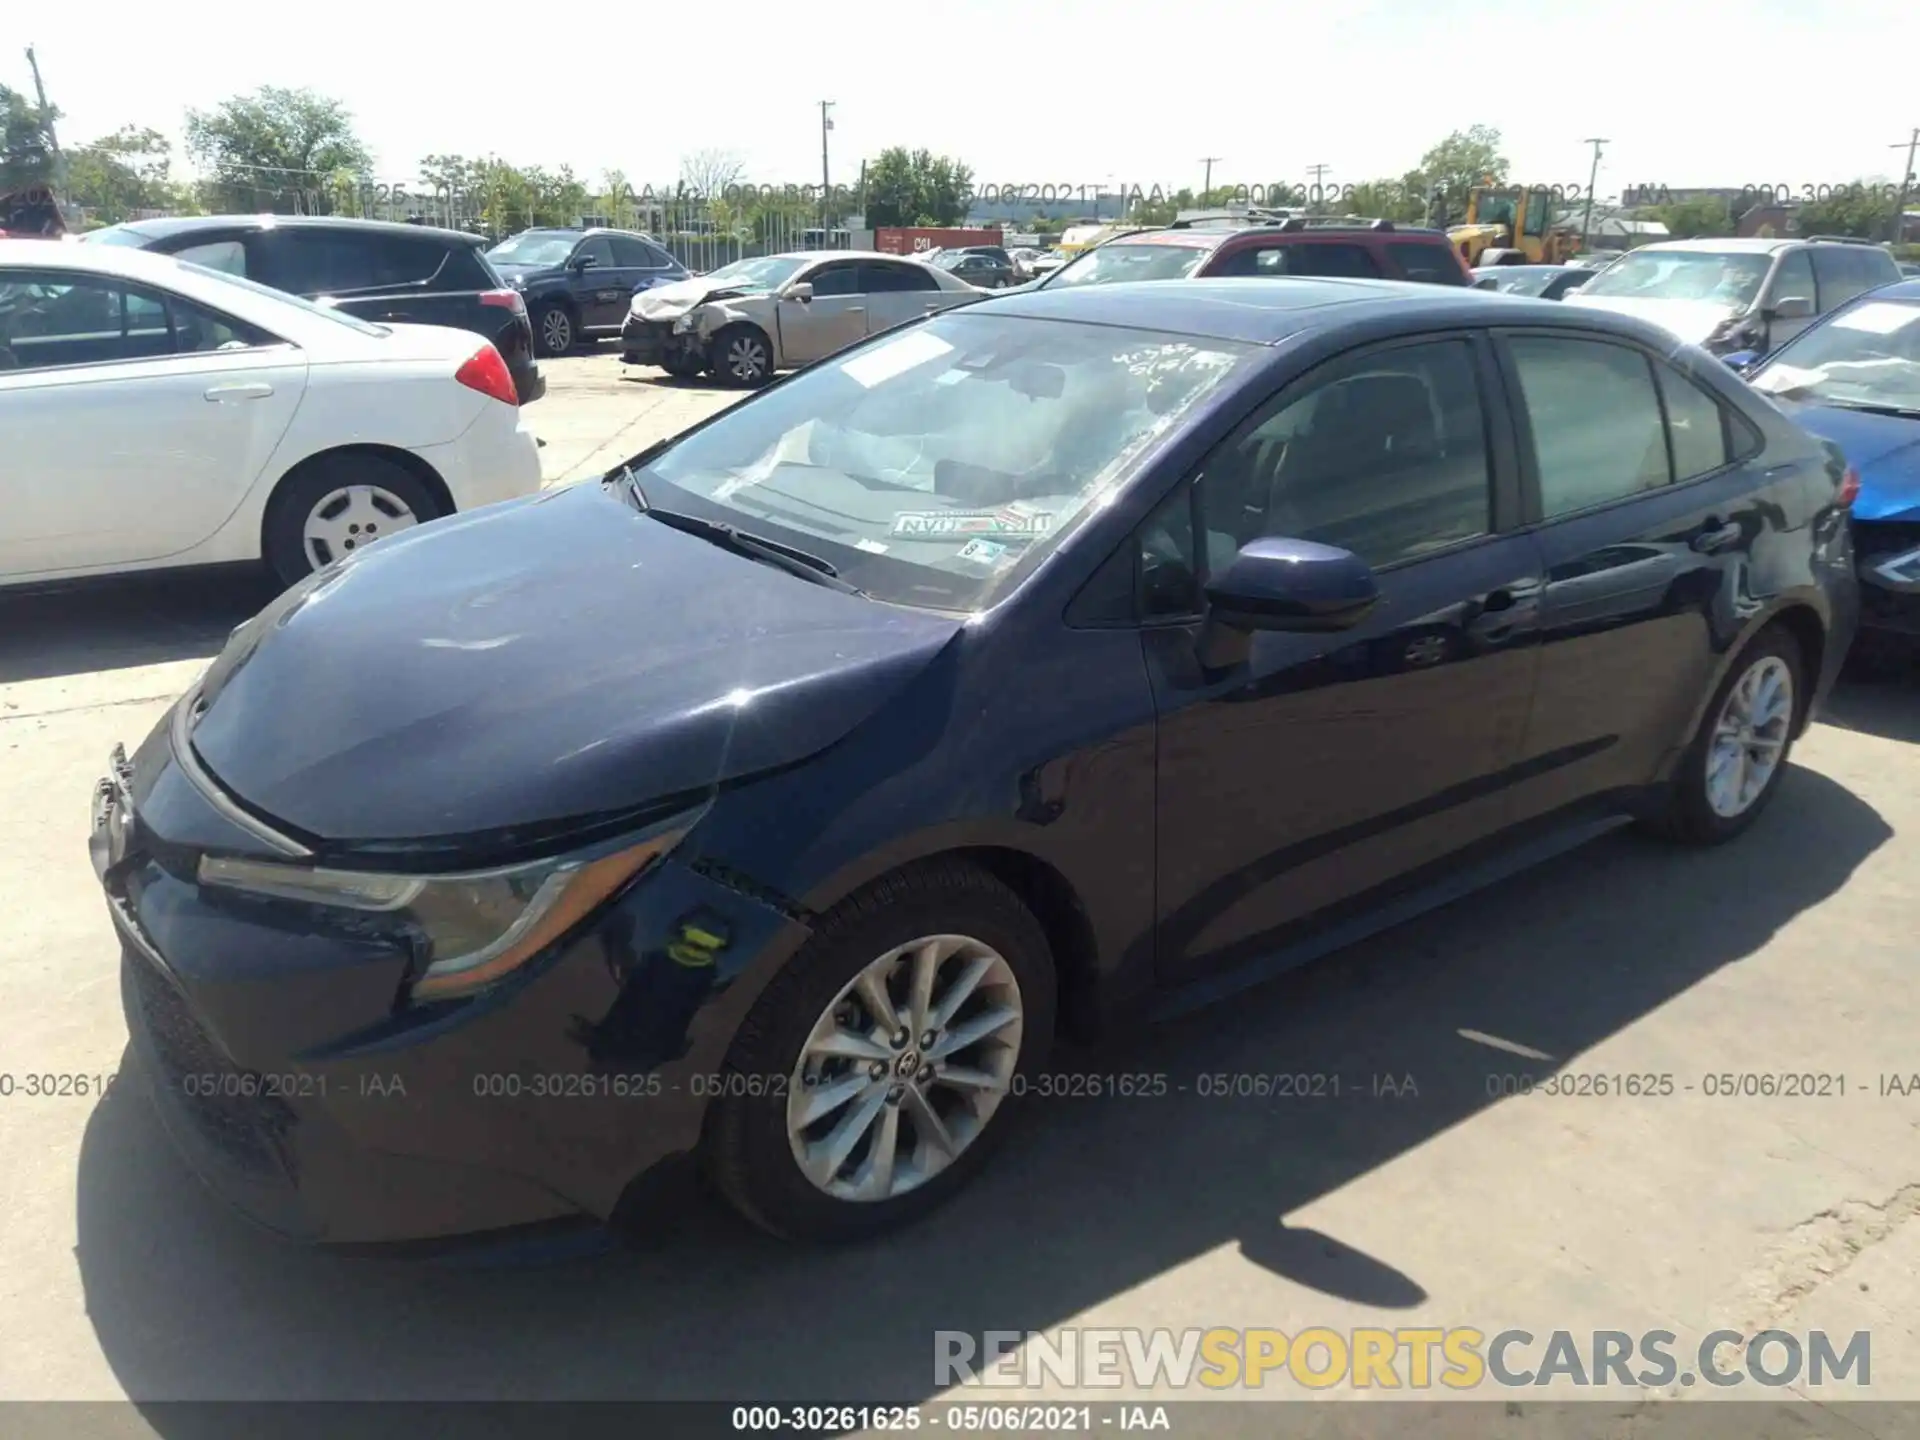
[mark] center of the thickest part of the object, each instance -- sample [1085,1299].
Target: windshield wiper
[1898,412]
[789,558]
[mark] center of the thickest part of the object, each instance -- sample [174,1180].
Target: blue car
[1854,378]
[1047,664]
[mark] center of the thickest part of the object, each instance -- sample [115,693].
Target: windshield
[1118,262]
[1516,281]
[762,273]
[1726,279]
[1868,355]
[531,247]
[935,466]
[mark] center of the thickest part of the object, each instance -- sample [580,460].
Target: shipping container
[910,240]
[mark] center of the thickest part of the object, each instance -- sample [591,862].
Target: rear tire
[741,356]
[896,1102]
[334,505]
[1733,767]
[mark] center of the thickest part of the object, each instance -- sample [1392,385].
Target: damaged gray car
[746,321]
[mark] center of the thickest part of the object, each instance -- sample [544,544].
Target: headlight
[470,929]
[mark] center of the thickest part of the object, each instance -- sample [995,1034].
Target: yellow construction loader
[1509,225]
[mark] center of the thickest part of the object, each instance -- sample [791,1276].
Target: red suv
[1209,250]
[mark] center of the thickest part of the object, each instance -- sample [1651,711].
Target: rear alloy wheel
[553,325]
[741,356]
[1736,760]
[338,506]
[878,1069]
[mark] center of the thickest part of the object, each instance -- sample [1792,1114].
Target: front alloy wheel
[903,1071]
[556,330]
[742,356]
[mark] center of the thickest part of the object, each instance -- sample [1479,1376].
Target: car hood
[1884,449]
[670,302]
[535,662]
[511,272]
[1690,320]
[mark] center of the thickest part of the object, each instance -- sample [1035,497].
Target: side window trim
[1663,372]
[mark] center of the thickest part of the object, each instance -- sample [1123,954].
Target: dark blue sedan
[1044,665]
[1855,378]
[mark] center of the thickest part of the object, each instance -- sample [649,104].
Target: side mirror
[1792,307]
[1293,585]
[580,262]
[1741,361]
[800,290]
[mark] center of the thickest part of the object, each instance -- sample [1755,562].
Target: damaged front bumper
[653,342]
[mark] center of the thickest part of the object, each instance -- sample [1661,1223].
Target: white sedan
[156,414]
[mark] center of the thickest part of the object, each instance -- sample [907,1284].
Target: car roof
[1899,290]
[1524,269]
[1729,245]
[813,255]
[170,225]
[1256,311]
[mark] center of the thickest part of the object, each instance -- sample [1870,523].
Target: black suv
[580,283]
[1213,249]
[373,269]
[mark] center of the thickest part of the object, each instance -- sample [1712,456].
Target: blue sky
[1062,92]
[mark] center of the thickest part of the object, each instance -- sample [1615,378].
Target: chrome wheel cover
[556,328]
[1749,737]
[905,1068]
[350,518]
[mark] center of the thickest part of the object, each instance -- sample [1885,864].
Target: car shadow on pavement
[660,380]
[136,620]
[1090,1198]
[1888,707]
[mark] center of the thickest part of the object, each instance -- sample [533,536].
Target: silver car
[1737,294]
[754,317]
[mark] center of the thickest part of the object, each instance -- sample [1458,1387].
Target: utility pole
[1593,175]
[1314,195]
[1206,185]
[1906,183]
[826,184]
[46,119]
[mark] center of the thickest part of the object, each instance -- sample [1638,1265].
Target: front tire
[1733,767]
[876,1123]
[554,330]
[682,364]
[742,356]
[336,505]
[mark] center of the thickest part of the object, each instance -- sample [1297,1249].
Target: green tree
[118,174]
[26,143]
[1689,219]
[1864,209]
[275,149]
[916,188]
[1453,168]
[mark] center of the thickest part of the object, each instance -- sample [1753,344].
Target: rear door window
[1428,264]
[1595,418]
[340,262]
[1317,257]
[630,254]
[228,256]
[877,278]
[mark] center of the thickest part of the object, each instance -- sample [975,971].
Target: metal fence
[700,234]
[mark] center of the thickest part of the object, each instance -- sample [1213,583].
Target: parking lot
[1432,1203]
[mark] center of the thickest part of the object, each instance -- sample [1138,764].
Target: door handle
[256,390]
[856,309]
[1716,536]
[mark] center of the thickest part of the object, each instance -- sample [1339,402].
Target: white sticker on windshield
[916,347]
[981,552]
[1879,317]
[872,547]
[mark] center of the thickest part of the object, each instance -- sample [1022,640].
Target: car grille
[224,1102]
